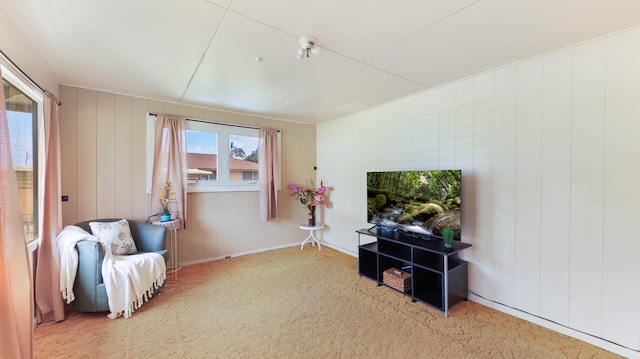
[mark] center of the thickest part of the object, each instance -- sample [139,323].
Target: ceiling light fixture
[307,44]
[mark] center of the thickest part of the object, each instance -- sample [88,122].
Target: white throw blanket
[129,280]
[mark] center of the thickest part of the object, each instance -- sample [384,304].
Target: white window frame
[222,183]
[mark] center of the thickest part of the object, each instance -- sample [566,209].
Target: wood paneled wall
[549,151]
[103,173]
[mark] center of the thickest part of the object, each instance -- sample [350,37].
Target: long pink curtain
[16,304]
[269,176]
[170,163]
[49,302]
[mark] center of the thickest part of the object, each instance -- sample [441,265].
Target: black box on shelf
[411,235]
[387,232]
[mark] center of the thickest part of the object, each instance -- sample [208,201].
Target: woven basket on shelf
[397,279]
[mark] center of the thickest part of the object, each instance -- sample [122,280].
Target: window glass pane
[202,155]
[22,117]
[243,161]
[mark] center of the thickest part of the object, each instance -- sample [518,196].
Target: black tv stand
[438,276]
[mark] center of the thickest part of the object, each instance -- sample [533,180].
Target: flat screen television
[418,203]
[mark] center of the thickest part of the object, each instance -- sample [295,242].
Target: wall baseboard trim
[587,338]
[339,249]
[206,260]
[296,244]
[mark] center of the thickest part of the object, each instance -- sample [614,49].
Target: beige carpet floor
[290,303]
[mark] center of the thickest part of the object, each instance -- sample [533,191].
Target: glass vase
[312,216]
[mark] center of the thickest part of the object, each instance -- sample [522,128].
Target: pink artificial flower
[309,196]
[294,187]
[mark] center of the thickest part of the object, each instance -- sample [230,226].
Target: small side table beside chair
[172,227]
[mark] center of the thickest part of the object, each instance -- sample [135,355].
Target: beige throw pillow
[115,235]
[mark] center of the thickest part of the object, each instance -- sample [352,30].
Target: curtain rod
[44,92]
[216,123]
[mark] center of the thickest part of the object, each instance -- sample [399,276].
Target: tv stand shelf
[438,276]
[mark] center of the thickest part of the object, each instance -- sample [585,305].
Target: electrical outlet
[65,198]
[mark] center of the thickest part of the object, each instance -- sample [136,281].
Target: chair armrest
[88,286]
[90,257]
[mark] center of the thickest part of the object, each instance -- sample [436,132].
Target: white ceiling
[203,53]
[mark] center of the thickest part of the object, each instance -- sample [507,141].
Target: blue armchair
[89,288]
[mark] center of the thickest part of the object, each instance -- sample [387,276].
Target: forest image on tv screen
[423,202]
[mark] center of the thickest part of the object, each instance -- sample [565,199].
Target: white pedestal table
[312,237]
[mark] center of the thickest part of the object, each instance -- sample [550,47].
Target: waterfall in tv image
[421,203]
